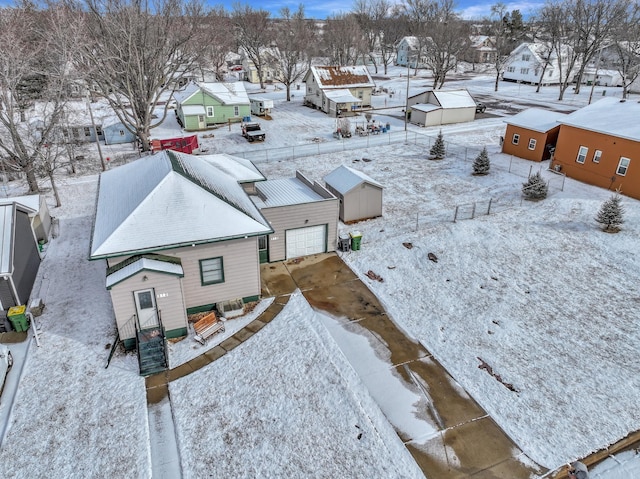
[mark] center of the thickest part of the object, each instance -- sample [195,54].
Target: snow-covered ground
[533,289]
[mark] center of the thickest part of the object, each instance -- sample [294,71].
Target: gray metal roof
[284,192]
[343,179]
[168,200]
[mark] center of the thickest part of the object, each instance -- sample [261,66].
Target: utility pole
[406,103]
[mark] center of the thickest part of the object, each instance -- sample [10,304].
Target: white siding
[241,271]
[169,301]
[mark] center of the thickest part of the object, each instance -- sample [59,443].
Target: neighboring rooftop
[536,119]
[344,178]
[610,116]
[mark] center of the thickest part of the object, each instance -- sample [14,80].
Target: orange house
[532,134]
[600,145]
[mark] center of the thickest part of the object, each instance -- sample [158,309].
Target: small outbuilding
[360,195]
[19,256]
[438,107]
[38,211]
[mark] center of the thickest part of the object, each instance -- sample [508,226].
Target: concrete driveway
[454,436]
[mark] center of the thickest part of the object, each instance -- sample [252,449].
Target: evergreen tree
[611,214]
[437,151]
[535,188]
[481,164]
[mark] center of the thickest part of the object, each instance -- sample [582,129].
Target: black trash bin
[344,242]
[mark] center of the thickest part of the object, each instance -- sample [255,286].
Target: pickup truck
[252,132]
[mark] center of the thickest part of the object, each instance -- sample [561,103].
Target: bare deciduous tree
[343,40]
[136,52]
[370,14]
[294,35]
[626,39]
[449,39]
[34,57]
[253,34]
[393,28]
[220,41]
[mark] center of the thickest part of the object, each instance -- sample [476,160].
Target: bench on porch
[207,327]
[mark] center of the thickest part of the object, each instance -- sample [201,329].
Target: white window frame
[516,139]
[623,166]
[524,71]
[210,111]
[582,154]
[597,155]
[532,143]
[236,110]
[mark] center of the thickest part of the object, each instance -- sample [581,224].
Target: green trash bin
[356,238]
[18,318]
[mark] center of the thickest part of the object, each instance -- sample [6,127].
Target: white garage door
[304,241]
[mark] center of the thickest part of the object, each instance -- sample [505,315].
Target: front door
[263,249]
[146,308]
[201,123]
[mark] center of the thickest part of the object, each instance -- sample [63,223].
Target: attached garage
[303,215]
[305,241]
[360,195]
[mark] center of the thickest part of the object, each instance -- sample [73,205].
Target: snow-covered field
[534,289]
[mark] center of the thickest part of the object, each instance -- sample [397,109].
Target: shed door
[305,241]
[146,308]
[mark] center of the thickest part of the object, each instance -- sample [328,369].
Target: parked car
[6,361]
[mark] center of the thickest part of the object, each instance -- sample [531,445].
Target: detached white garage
[303,215]
[305,241]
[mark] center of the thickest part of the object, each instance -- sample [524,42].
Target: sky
[469,9]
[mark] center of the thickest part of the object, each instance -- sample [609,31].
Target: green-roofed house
[179,234]
[203,105]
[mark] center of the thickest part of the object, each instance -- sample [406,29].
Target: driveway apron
[451,436]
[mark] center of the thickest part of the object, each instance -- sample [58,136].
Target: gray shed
[41,221]
[19,257]
[360,195]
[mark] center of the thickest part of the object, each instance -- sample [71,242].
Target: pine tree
[535,188]
[482,164]
[611,214]
[437,151]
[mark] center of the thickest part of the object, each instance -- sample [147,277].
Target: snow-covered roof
[241,169]
[342,77]
[284,192]
[341,96]
[410,41]
[30,202]
[225,93]
[193,109]
[344,178]
[168,200]
[454,99]
[146,264]
[536,119]
[425,107]
[610,116]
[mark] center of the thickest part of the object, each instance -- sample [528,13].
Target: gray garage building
[360,195]
[303,215]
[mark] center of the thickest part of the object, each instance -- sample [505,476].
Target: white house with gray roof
[178,234]
[360,196]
